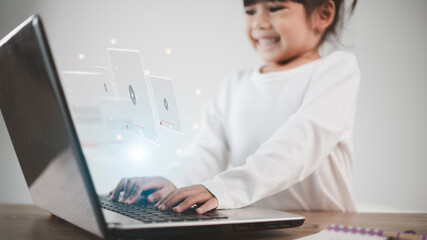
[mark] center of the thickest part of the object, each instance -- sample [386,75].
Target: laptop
[45,140]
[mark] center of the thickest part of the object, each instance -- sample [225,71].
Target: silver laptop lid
[39,124]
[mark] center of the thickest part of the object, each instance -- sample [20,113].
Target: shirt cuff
[217,191]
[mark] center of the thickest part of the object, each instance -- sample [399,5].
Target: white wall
[391,133]
[207,42]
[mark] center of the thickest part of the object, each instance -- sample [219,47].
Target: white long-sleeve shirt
[281,140]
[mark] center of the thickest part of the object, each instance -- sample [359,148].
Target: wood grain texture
[30,222]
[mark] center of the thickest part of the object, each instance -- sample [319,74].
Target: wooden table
[29,222]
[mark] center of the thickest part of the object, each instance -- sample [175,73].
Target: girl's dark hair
[311,5]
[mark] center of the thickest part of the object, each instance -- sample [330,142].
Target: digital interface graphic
[90,105]
[83,91]
[108,100]
[166,104]
[133,95]
[110,86]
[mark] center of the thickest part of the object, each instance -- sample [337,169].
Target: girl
[277,135]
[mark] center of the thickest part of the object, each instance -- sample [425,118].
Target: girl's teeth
[266,41]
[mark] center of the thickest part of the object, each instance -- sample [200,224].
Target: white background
[207,41]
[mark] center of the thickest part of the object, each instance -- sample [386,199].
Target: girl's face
[280,31]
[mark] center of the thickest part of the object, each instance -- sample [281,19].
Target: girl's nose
[261,21]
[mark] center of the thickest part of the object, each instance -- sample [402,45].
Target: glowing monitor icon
[133,93]
[166,104]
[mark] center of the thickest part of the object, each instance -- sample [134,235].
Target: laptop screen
[23,96]
[37,118]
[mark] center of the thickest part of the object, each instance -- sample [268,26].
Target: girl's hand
[188,196]
[133,187]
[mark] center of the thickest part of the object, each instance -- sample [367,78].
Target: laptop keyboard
[145,211]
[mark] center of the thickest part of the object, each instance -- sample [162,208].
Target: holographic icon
[108,101]
[166,104]
[90,106]
[133,95]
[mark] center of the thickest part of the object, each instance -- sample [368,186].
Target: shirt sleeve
[298,147]
[207,155]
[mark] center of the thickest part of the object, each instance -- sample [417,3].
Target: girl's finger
[209,205]
[136,192]
[127,189]
[171,193]
[188,202]
[118,189]
[176,198]
[157,195]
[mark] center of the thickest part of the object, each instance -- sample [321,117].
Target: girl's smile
[266,42]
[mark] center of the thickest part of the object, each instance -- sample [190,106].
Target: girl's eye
[250,12]
[276,8]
